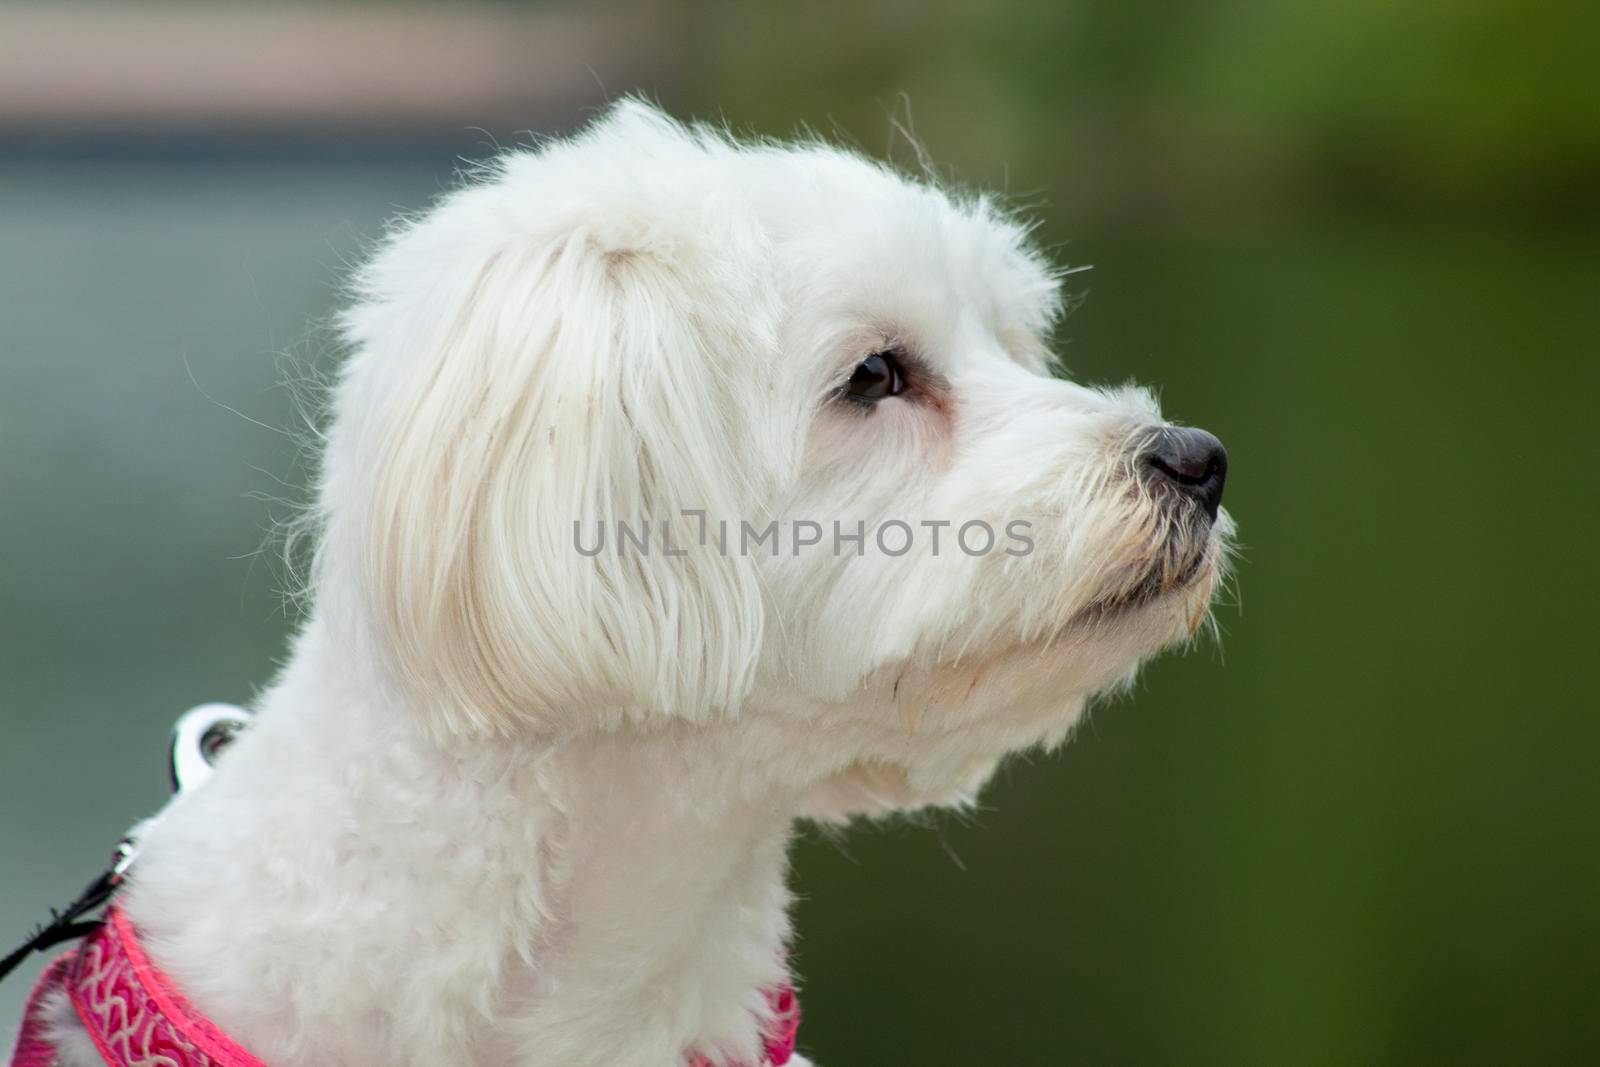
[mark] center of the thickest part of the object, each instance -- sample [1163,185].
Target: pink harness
[136,1018]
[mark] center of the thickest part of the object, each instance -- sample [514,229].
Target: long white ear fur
[545,349]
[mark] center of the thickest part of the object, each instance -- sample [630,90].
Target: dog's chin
[1182,575]
[938,727]
[1148,590]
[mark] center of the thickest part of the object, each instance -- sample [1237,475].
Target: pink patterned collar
[130,1009]
[136,1018]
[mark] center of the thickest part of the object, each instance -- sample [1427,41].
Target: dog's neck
[666,885]
[347,889]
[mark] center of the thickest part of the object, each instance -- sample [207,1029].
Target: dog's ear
[530,365]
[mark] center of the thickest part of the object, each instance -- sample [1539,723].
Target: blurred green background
[1358,241]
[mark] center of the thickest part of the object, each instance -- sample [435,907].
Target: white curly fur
[511,804]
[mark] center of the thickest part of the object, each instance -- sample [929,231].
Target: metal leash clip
[199,737]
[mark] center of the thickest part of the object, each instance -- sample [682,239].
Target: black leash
[64,924]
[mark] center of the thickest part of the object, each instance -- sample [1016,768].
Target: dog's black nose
[1192,461]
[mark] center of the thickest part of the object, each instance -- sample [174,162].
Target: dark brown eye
[877,376]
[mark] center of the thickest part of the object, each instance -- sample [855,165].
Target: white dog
[523,793]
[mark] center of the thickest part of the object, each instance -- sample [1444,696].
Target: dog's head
[650,426]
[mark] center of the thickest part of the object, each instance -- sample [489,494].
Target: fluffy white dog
[523,793]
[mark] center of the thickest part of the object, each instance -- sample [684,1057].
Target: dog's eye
[876,377]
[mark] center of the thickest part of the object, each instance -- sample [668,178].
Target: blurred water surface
[1361,830]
